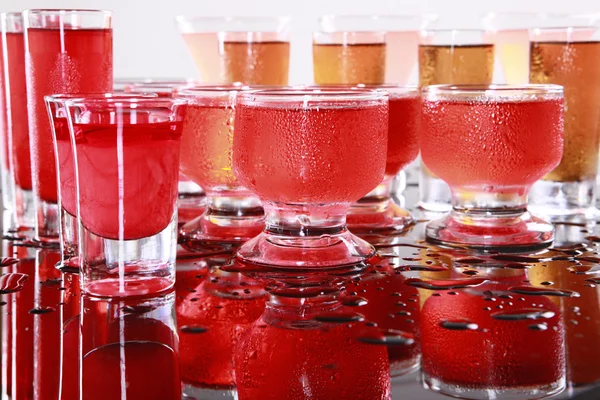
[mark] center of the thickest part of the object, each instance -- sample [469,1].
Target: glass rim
[6,14]
[391,88]
[63,97]
[63,11]
[327,22]
[466,30]
[208,89]
[300,94]
[224,18]
[130,101]
[532,88]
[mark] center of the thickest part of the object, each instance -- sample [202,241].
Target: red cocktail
[233,214]
[490,144]
[127,166]
[66,52]
[16,113]
[302,152]
[376,213]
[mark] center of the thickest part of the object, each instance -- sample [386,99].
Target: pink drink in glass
[308,155]
[60,58]
[490,144]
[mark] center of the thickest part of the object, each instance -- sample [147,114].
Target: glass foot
[493,393]
[512,233]
[322,251]
[404,367]
[561,201]
[393,220]
[208,235]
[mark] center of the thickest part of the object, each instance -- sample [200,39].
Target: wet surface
[475,322]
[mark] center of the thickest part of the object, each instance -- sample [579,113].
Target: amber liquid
[576,66]
[349,63]
[459,65]
[256,63]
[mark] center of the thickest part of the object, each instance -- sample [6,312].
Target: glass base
[190,206]
[558,201]
[508,393]
[434,193]
[392,220]
[404,367]
[24,211]
[509,232]
[209,234]
[191,392]
[47,224]
[305,252]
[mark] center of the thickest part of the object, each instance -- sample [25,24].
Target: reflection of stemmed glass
[302,153]
[490,144]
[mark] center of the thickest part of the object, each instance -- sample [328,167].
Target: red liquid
[76,61]
[5,310]
[66,165]
[327,362]
[150,168]
[3,113]
[403,133]
[392,305]
[324,155]
[499,353]
[133,370]
[47,326]
[22,388]
[207,358]
[17,101]
[492,146]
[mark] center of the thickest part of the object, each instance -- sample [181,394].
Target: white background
[147,42]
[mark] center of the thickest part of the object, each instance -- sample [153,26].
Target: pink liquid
[66,165]
[324,155]
[403,133]
[492,146]
[150,168]
[67,61]
[401,56]
[17,103]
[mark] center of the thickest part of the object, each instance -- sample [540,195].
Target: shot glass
[459,57]
[126,166]
[233,214]
[568,54]
[302,152]
[65,170]
[192,199]
[491,144]
[376,216]
[251,50]
[13,52]
[66,51]
[6,178]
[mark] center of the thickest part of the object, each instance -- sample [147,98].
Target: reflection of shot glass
[460,57]
[192,199]
[251,50]
[568,54]
[126,167]
[65,52]
[13,51]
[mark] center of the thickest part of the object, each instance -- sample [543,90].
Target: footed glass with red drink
[376,216]
[302,152]
[127,167]
[233,213]
[66,51]
[491,144]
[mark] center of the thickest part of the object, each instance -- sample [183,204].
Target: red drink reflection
[62,60]
[212,317]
